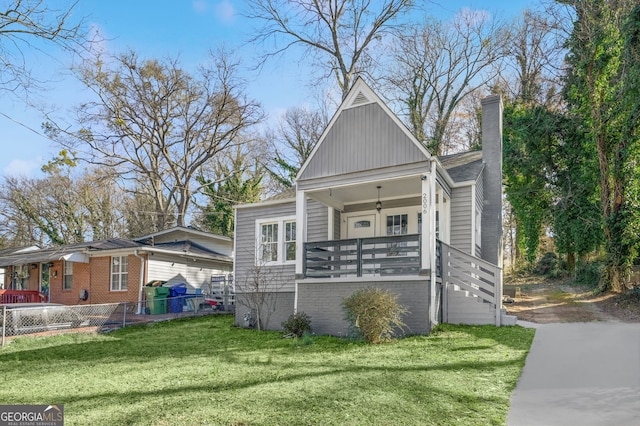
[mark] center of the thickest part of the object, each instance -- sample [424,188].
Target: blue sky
[159,29]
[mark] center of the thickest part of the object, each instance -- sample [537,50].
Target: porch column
[428,223]
[428,237]
[301,230]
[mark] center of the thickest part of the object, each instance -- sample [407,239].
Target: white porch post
[427,236]
[428,244]
[432,244]
[301,229]
[301,238]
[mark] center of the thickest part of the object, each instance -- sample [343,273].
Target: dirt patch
[542,301]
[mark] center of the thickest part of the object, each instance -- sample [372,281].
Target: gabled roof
[464,166]
[188,248]
[184,229]
[364,134]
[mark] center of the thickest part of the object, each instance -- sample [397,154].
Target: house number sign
[425,203]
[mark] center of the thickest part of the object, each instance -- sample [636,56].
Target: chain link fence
[19,319]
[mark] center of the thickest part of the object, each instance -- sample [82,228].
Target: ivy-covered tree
[600,90]
[577,220]
[529,140]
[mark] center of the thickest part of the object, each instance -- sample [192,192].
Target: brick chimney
[491,234]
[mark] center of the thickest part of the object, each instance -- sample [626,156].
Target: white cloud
[225,12]
[200,6]
[22,167]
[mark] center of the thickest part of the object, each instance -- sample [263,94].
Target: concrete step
[506,319]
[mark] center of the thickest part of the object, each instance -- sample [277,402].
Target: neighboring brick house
[115,270]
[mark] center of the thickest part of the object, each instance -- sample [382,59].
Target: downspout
[142,268]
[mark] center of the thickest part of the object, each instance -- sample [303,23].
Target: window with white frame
[119,273]
[290,240]
[276,241]
[67,280]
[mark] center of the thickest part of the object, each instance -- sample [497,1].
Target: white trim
[281,221]
[301,229]
[119,273]
[473,220]
[432,241]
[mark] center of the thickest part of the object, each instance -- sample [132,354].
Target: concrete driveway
[580,374]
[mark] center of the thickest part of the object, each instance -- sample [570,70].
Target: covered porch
[382,226]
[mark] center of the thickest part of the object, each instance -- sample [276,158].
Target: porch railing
[21,296]
[474,275]
[360,257]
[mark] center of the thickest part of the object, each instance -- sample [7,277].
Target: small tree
[259,293]
[375,314]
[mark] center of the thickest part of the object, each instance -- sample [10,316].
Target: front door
[362,226]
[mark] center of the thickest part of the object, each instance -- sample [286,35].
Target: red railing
[22,296]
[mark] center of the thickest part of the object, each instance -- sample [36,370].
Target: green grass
[203,371]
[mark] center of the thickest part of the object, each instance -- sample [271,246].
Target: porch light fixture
[378,203]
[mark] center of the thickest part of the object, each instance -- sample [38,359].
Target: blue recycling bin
[177,294]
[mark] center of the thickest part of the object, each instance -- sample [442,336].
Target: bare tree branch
[157,125]
[339,34]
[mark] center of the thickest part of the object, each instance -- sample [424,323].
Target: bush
[549,265]
[297,324]
[588,274]
[374,313]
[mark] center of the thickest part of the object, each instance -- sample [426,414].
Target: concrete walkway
[580,374]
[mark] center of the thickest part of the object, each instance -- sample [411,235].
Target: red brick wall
[95,277]
[56,273]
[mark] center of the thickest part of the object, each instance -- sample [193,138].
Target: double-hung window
[67,280]
[276,241]
[269,242]
[119,273]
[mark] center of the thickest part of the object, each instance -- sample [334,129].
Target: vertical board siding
[362,138]
[461,219]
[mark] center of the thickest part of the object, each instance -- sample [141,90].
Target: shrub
[297,324]
[588,274]
[549,265]
[374,313]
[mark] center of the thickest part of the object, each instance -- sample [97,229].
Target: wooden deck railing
[21,296]
[358,257]
[479,277]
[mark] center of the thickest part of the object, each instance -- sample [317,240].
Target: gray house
[373,208]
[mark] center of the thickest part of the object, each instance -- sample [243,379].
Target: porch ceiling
[363,192]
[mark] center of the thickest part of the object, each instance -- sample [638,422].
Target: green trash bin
[160,300]
[156,299]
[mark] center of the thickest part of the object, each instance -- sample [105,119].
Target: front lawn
[203,371]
